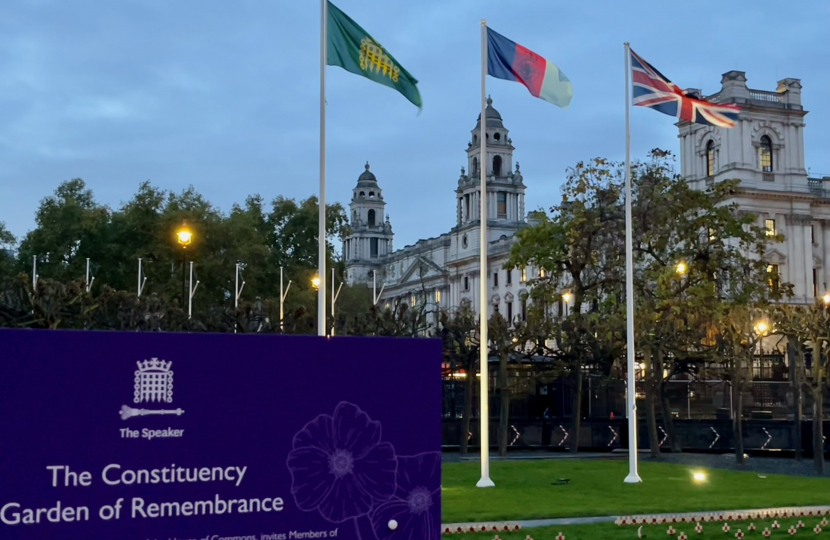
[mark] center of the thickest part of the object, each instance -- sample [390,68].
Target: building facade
[443,272]
[765,151]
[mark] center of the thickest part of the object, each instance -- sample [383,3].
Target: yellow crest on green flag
[353,49]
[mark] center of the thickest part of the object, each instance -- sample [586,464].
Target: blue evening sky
[225,95]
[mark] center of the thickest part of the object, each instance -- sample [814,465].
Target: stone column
[824,246]
[806,224]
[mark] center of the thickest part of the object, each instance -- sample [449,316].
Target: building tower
[765,151]
[505,189]
[369,238]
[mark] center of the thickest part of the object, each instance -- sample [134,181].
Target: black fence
[541,414]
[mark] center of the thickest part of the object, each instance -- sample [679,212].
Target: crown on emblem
[154,364]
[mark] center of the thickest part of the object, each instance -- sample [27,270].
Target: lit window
[541,272]
[437,296]
[765,154]
[710,158]
[712,235]
[524,274]
[501,198]
[769,225]
[412,300]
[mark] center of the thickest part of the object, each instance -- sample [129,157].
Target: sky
[225,95]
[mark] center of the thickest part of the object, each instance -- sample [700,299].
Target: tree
[807,329]
[687,242]
[7,242]
[71,226]
[458,331]
[741,329]
[579,248]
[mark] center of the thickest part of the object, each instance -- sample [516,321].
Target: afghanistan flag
[353,49]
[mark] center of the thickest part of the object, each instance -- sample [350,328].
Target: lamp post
[567,296]
[334,297]
[761,329]
[315,284]
[283,294]
[185,237]
[681,268]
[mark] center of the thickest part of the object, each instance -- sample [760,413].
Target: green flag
[353,49]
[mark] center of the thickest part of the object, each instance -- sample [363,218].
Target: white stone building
[444,271]
[765,151]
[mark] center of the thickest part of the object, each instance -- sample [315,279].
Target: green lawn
[609,531]
[524,491]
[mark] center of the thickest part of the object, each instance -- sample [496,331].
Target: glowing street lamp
[826,298]
[761,328]
[184,236]
[699,476]
[681,268]
[567,297]
[315,282]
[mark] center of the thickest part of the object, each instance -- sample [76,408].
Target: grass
[524,491]
[609,531]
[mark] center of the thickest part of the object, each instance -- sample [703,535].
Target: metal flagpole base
[632,479]
[485,483]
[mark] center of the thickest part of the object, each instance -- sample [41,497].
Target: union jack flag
[654,90]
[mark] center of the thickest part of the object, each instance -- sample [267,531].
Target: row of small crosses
[559,536]
[723,516]
[739,534]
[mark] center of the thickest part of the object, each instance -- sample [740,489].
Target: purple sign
[151,436]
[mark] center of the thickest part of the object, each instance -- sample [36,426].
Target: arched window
[371,194]
[475,165]
[497,166]
[710,158]
[765,157]
[371,218]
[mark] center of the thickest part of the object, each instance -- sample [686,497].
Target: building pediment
[421,268]
[775,257]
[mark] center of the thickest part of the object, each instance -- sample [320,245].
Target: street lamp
[761,328]
[681,268]
[315,282]
[185,237]
[567,298]
[826,298]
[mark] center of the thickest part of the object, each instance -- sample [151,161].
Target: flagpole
[321,229]
[484,348]
[633,477]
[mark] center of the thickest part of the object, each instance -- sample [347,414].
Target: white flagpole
[484,348]
[633,477]
[321,232]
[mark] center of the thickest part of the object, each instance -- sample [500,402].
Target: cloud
[226,95]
